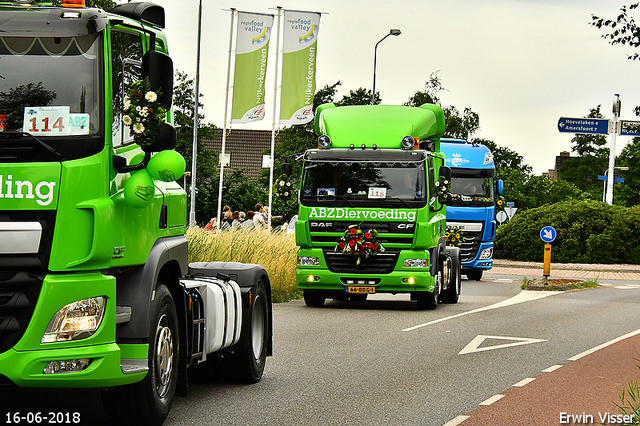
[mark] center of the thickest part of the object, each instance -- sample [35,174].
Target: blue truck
[472,209]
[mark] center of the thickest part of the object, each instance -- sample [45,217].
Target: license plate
[359,289]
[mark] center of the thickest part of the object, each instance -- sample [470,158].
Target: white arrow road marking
[473,346]
[523,296]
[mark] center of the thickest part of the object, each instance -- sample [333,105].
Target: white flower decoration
[151,96]
[138,128]
[127,120]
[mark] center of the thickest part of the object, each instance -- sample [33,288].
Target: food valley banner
[252,49]
[298,67]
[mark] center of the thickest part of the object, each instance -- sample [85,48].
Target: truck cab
[370,220]
[471,209]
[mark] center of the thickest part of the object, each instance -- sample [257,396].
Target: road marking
[456,421]
[523,382]
[604,345]
[473,346]
[502,280]
[491,400]
[552,368]
[523,296]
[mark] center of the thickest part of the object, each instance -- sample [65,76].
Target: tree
[361,96]
[294,141]
[238,189]
[623,29]
[459,126]
[628,194]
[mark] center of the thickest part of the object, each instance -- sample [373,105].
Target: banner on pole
[300,36]
[252,50]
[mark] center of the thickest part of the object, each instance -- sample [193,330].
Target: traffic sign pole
[612,151]
[546,269]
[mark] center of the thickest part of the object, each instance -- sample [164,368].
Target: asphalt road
[384,362]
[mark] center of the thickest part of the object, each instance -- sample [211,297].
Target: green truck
[371,215]
[95,287]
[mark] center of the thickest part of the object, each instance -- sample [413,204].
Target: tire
[451,278]
[149,401]
[247,363]
[313,298]
[474,274]
[427,301]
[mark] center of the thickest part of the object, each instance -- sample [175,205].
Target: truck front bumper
[105,368]
[483,259]
[94,361]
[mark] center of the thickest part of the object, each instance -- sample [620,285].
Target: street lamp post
[393,32]
[606,175]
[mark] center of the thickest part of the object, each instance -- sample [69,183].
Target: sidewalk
[581,391]
[568,270]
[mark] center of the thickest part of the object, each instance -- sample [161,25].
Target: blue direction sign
[601,177]
[629,128]
[596,126]
[548,234]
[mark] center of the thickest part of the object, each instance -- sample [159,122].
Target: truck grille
[337,229]
[469,248]
[381,263]
[21,277]
[18,296]
[34,263]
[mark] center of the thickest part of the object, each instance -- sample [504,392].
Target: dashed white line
[552,368]
[456,421]
[523,382]
[491,400]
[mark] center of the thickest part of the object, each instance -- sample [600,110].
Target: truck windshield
[364,184]
[50,86]
[471,190]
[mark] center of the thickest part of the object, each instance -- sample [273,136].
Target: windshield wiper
[399,199]
[43,144]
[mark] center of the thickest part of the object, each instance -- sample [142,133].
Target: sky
[519,64]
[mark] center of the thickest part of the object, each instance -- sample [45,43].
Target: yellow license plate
[359,289]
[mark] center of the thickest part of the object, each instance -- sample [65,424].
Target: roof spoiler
[148,13]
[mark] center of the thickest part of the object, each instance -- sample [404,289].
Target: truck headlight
[415,263]
[75,321]
[308,261]
[487,253]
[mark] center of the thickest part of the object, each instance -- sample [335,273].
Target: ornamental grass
[276,252]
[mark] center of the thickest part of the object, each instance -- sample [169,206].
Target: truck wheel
[247,364]
[428,300]
[451,278]
[474,274]
[148,402]
[313,298]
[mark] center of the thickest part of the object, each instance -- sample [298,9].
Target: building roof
[245,148]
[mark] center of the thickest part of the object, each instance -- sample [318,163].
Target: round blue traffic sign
[548,234]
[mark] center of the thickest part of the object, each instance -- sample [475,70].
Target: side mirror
[445,171]
[158,67]
[500,186]
[286,169]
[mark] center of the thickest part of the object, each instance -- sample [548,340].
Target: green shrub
[587,232]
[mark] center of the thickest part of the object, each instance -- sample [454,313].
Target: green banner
[252,50]
[299,67]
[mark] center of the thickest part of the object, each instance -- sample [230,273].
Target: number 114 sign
[47,121]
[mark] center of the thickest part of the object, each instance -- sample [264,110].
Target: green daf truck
[371,215]
[95,288]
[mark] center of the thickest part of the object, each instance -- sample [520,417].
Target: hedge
[587,232]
